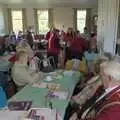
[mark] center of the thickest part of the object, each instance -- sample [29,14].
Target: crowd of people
[97,98]
[97,94]
[74,42]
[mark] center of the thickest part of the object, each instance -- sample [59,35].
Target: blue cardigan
[3,99]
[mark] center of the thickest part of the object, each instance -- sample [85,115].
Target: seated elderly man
[21,74]
[107,106]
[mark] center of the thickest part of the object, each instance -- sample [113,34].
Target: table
[37,95]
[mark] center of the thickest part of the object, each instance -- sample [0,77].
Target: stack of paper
[52,86]
[40,85]
[61,95]
[42,114]
[11,115]
[19,105]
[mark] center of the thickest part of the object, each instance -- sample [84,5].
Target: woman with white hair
[21,73]
[91,90]
[109,109]
[24,45]
[107,106]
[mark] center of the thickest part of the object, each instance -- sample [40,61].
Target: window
[81,20]
[43,21]
[2,25]
[17,20]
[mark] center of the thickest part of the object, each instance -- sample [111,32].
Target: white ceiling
[52,2]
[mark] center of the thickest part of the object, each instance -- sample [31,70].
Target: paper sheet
[10,115]
[46,113]
[61,95]
[45,85]
[40,85]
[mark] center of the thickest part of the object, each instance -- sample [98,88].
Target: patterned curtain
[108,12]
[36,21]
[75,19]
[50,14]
[88,19]
[24,19]
[118,34]
[9,18]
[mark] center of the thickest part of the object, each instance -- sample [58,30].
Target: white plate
[48,78]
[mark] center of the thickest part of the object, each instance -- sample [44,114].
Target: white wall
[61,16]
[30,16]
[2,20]
[108,12]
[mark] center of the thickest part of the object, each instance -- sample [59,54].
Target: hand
[73,117]
[41,75]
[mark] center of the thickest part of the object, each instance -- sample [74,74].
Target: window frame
[37,20]
[78,19]
[17,19]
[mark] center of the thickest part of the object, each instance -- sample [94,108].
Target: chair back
[47,64]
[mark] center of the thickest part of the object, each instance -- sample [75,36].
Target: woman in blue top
[3,99]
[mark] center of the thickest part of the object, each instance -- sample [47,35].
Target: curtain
[118,34]
[88,19]
[24,19]
[108,12]
[9,18]
[36,21]
[75,19]
[50,14]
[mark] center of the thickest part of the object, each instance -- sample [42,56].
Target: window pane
[2,26]
[16,14]
[81,20]
[17,25]
[43,21]
[43,26]
[17,20]
[42,14]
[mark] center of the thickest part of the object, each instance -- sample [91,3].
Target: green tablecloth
[37,95]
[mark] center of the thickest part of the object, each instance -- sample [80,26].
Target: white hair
[112,69]
[117,59]
[103,64]
[106,56]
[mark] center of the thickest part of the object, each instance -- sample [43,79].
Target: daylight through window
[43,21]
[81,20]
[17,20]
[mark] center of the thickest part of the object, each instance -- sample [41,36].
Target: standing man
[30,36]
[86,34]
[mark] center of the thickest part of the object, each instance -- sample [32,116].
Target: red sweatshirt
[77,45]
[53,45]
[47,37]
[12,59]
[69,38]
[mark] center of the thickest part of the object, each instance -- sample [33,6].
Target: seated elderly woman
[24,45]
[21,74]
[87,90]
[76,65]
[106,106]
